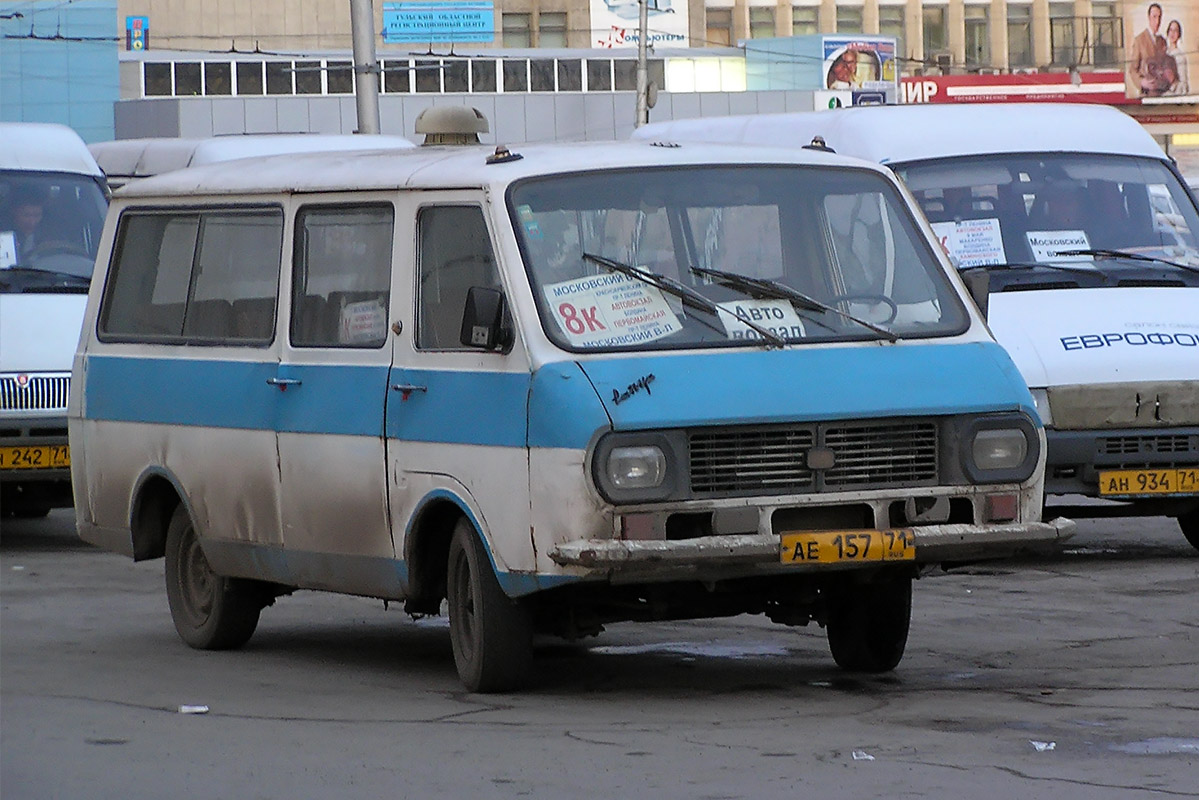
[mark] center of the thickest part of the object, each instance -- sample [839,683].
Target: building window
[551,29]
[187,79]
[1019,35]
[1107,31]
[1061,33]
[570,75]
[516,75]
[278,77]
[482,75]
[249,77]
[340,77]
[395,77]
[218,77]
[517,30]
[849,19]
[158,80]
[308,77]
[804,20]
[761,22]
[454,76]
[720,27]
[599,75]
[625,71]
[936,32]
[428,76]
[978,36]
[541,75]
[890,23]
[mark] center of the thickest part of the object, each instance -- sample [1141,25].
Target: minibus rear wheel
[868,623]
[211,612]
[491,633]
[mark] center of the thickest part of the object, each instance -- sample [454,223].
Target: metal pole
[366,66]
[642,74]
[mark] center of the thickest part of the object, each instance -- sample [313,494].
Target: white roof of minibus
[44,147]
[141,158]
[900,134]
[447,167]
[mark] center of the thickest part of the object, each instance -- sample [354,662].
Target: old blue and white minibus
[554,387]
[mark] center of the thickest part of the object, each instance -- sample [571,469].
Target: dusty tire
[1190,527]
[491,634]
[210,612]
[868,624]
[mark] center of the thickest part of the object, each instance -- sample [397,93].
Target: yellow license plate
[1132,482]
[838,547]
[38,456]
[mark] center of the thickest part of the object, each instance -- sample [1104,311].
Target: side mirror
[485,320]
[978,284]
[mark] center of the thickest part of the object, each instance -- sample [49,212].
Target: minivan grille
[34,392]
[774,460]
[1135,445]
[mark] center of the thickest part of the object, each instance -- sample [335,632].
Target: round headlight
[641,467]
[999,449]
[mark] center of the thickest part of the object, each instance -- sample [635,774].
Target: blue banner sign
[437,22]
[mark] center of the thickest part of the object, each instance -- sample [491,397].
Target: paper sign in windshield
[363,322]
[1047,244]
[8,249]
[776,316]
[973,242]
[610,311]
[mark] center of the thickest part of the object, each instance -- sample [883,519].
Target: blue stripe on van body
[483,408]
[235,394]
[809,384]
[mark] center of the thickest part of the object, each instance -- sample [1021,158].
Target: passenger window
[454,251]
[341,287]
[236,278]
[203,277]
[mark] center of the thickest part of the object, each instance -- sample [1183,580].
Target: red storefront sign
[1049,87]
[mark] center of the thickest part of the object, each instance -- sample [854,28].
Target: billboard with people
[1160,43]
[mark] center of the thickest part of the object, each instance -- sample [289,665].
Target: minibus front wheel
[867,623]
[491,633]
[211,612]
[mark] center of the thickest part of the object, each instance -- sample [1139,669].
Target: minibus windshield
[650,258]
[49,230]
[1117,217]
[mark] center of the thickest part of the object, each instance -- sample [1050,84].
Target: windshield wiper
[1100,252]
[689,296]
[28,277]
[765,288]
[1039,265]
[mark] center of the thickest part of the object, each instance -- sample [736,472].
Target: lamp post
[642,73]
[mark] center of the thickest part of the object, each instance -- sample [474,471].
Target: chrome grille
[882,455]
[1135,445]
[773,460]
[746,460]
[36,393]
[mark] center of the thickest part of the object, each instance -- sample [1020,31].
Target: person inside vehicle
[24,219]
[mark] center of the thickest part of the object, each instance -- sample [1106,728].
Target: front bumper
[738,554]
[1076,457]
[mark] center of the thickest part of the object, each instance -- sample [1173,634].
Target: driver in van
[24,219]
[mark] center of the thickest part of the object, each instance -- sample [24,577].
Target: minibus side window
[147,290]
[454,251]
[208,277]
[236,278]
[342,277]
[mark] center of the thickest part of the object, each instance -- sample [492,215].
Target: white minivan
[1089,241]
[555,388]
[52,204]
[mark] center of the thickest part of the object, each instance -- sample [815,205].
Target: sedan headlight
[1003,448]
[636,467]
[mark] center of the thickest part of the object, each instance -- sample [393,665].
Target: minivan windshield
[50,227]
[728,256]
[1102,219]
